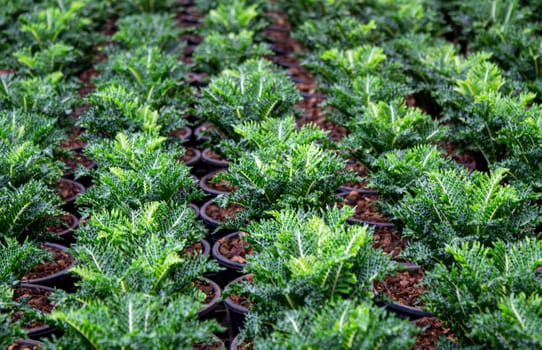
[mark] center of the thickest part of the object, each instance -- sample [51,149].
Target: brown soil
[217,213]
[67,221]
[73,140]
[180,133]
[191,250]
[20,346]
[188,155]
[246,345]
[221,185]
[389,240]
[433,330]
[77,158]
[209,153]
[243,300]
[37,299]
[366,209]
[216,346]
[360,170]
[403,288]
[463,159]
[207,289]
[235,249]
[68,189]
[61,261]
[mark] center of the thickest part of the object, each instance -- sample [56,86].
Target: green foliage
[22,161]
[148,29]
[226,51]
[396,172]
[142,6]
[16,259]
[133,320]
[9,330]
[18,127]
[156,78]
[353,79]
[490,296]
[50,95]
[339,325]
[522,138]
[454,206]
[293,171]
[310,258]
[140,250]
[234,16]
[384,127]
[343,33]
[52,24]
[135,171]
[304,10]
[116,109]
[53,58]
[27,210]
[253,92]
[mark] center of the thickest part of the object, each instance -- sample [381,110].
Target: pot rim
[57,275]
[221,258]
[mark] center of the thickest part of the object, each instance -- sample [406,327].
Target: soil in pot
[389,240]
[61,261]
[219,345]
[37,298]
[73,142]
[246,344]
[68,222]
[216,187]
[214,158]
[404,287]
[242,300]
[433,330]
[69,190]
[76,159]
[183,133]
[198,247]
[365,207]
[191,156]
[24,344]
[222,215]
[206,288]
[234,248]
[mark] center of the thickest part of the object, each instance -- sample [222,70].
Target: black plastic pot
[206,188]
[66,235]
[209,221]
[195,159]
[69,203]
[61,279]
[236,312]
[187,134]
[207,159]
[233,269]
[206,312]
[27,343]
[41,331]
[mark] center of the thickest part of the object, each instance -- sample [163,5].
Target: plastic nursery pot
[25,344]
[214,220]
[196,209]
[60,278]
[235,345]
[39,292]
[210,157]
[69,190]
[182,134]
[236,312]
[201,247]
[214,189]
[212,304]
[191,157]
[406,311]
[65,231]
[234,263]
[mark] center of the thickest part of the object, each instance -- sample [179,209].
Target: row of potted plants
[480,104]
[43,52]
